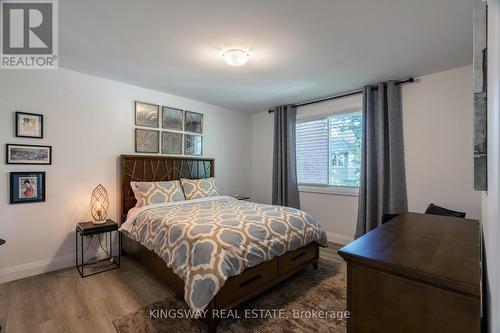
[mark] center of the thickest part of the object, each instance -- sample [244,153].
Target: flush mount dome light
[236,57]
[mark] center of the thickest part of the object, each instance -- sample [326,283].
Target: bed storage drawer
[244,285]
[294,259]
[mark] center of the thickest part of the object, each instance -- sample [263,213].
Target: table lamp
[99,204]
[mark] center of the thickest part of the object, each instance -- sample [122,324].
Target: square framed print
[28,154]
[147,115]
[193,122]
[147,141]
[193,144]
[29,125]
[172,119]
[171,143]
[26,187]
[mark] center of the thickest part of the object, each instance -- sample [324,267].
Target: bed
[240,283]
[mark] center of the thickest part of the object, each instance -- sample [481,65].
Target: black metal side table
[89,229]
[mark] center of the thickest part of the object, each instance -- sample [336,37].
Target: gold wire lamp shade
[99,204]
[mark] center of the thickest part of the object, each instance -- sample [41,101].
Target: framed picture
[193,122]
[27,187]
[172,119]
[147,114]
[29,125]
[147,141]
[28,154]
[193,144]
[480,69]
[171,143]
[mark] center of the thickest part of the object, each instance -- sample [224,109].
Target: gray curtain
[382,175]
[285,188]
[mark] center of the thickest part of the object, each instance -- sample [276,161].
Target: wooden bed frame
[237,289]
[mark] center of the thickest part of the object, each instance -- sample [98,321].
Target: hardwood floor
[62,301]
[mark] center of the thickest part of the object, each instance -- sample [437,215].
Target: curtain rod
[359,91]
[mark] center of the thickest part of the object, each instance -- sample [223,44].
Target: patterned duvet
[206,241]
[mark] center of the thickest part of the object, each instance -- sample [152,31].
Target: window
[329,150]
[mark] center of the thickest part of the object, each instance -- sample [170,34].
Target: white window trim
[328,108]
[337,107]
[329,189]
[329,114]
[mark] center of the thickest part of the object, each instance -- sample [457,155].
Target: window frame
[350,191]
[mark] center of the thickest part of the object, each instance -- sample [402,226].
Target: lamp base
[99,222]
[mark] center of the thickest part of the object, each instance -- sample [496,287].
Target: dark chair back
[432,209]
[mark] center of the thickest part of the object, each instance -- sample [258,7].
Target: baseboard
[39,267]
[338,238]
[35,268]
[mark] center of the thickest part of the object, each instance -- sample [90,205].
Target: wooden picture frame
[147,115]
[147,141]
[27,187]
[29,125]
[28,154]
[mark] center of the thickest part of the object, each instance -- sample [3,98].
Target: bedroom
[147,92]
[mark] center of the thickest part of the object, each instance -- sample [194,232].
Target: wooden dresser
[416,273]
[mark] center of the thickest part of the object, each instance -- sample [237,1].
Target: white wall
[491,199]
[438,128]
[438,131]
[89,122]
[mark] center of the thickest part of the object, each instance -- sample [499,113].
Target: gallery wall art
[146,114]
[28,154]
[29,125]
[193,144]
[147,141]
[193,122]
[172,119]
[480,97]
[26,187]
[171,143]
[177,131]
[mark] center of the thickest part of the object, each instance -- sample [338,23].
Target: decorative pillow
[147,193]
[199,188]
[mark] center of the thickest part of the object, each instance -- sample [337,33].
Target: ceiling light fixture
[236,57]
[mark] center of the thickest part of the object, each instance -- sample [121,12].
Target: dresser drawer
[296,258]
[243,285]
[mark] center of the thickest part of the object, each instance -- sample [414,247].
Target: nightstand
[240,197]
[89,229]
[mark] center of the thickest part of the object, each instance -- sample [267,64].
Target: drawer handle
[298,256]
[252,279]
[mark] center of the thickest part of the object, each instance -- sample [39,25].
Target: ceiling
[302,49]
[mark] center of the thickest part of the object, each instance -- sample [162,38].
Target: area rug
[311,301]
